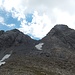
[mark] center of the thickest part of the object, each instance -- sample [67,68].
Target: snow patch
[1,63]
[4,58]
[39,46]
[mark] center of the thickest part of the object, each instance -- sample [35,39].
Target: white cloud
[2,22]
[0,2]
[63,17]
[39,26]
[10,25]
[1,19]
[46,13]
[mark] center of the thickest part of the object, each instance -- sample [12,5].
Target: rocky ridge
[52,55]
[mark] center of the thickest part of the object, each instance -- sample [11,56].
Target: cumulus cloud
[63,17]
[46,13]
[1,19]
[39,26]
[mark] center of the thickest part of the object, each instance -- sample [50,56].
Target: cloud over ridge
[45,13]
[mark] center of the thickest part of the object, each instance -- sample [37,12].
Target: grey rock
[57,56]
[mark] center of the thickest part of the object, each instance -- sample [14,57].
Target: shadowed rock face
[61,35]
[1,32]
[52,55]
[14,38]
[60,42]
[15,41]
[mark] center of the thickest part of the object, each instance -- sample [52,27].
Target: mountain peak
[14,37]
[55,52]
[61,27]
[58,29]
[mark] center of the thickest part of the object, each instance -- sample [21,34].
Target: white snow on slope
[4,58]
[39,46]
[1,63]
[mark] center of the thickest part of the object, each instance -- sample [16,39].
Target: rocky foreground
[52,55]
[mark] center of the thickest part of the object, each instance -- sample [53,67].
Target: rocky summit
[52,55]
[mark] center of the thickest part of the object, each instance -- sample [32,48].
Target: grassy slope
[29,65]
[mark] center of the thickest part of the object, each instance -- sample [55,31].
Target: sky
[36,17]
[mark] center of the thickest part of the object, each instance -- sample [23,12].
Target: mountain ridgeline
[52,55]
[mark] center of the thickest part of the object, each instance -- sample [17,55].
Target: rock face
[52,55]
[14,38]
[61,34]
[60,43]
[15,41]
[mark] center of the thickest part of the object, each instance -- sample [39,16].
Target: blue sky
[34,17]
[8,19]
